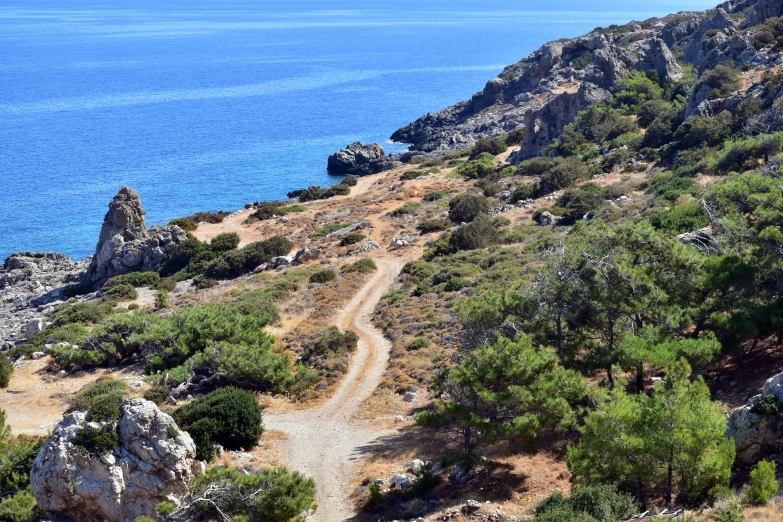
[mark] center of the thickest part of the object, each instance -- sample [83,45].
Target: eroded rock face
[360,160]
[758,435]
[125,245]
[150,465]
[31,283]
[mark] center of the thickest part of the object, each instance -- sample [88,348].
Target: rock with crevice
[758,435]
[151,464]
[125,244]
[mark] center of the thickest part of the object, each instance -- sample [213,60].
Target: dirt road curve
[322,442]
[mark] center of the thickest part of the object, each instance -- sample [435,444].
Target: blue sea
[208,105]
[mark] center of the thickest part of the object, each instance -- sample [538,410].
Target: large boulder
[152,463]
[757,434]
[125,245]
[360,160]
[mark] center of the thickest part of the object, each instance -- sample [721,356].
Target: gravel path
[322,442]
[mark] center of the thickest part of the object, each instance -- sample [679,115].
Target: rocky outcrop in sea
[360,160]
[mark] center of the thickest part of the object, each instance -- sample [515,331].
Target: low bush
[97,440]
[121,292]
[101,392]
[229,417]
[6,370]
[481,233]
[187,224]
[135,279]
[418,343]
[412,174]
[352,238]
[435,196]
[680,219]
[763,484]
[480,167]
[332,342]
[91,312]
[349,181]
[323,276]
[465,208]
[224,242]
[428,226]
[162,299]
[203,283]
[589,503]
[157,394]
[271,495]
[408,208]
[490,146]
[166,283]
[18,507]
[361,266]
[330,228]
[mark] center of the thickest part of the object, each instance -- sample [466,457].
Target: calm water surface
[208,105]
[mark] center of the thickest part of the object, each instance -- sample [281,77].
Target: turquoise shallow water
[208,105]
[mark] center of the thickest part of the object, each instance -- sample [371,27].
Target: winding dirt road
[322,442]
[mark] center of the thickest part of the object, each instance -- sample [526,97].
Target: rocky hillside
[544,92]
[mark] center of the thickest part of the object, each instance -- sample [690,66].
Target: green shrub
[259,304]
[162,299]
[229,417]
[352,238]
[337,190]
[581,200]
[167,283]
[135,279]
[157,394]
[330,228]
[272,495]
[412,174]
[267,210]
[361,266]
[767,405]
[701,131]
[19,458]
[482,166]
[97,440]
[428,226]
[731,515]
[565,173]
[19,507]
[224,242]
[680,219]
[202,283]
[763,484]
[349,181]
[323,276]
[480,233]
[376,498]
[465,208]
[582,61]
[6,370]
[293,209]
[73,333]
[435,196]
[587,504]
[408,208]
[332,342]
[121,292]
[516,136]
[212,218]
[723,78]
[166,508]
[418,343]
[187,224]
[490,146]
[246,366]
[101,392]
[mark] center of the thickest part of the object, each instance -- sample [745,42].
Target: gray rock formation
[31,283]
[544,92]
[361,160]
[125,245]
[150,465]
[758,435]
